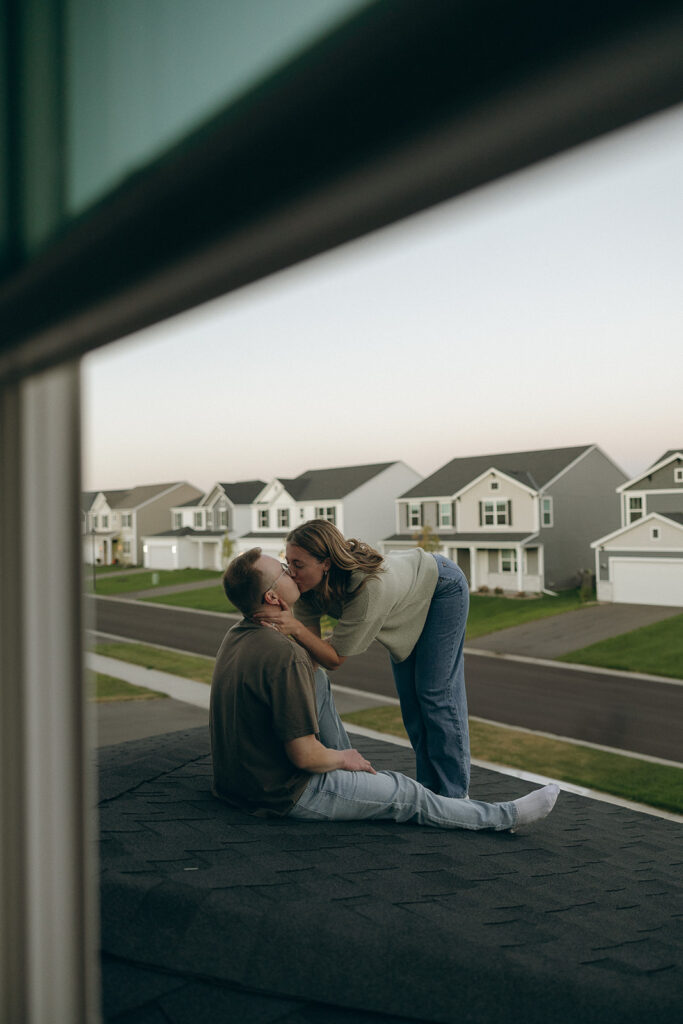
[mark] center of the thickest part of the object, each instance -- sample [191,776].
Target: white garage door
[160,556]
[647,581]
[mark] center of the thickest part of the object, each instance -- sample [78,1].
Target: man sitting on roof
[279,746]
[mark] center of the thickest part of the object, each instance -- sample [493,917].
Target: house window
[224,518]
[329,513]
[678,476]
[264,517]
[414,515]
[635,509]
[105,522]
[283,518]
[495,513]
[445,513]
[126,519]
[302,514]
[508,560]
[494,485]
[94,522]
[546,511]
[654,533]
[126,547]
[177,520]
[198,520]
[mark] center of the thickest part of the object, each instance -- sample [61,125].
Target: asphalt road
[618,711]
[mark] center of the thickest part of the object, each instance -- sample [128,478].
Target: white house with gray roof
[113,523]
[199,527]
[359,500]
[521,521]
[642,562]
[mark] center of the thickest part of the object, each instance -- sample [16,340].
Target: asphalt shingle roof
[208,913]
[533,468]
[328,484]
[243,492]
[136,495]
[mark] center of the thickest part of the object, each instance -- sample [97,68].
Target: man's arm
[309,754]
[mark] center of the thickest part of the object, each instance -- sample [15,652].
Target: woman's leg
[413,719]
[439,672]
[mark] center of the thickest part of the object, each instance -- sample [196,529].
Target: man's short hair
[243,582]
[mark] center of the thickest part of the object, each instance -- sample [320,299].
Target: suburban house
[199,527]
[359,500]
[113,523]
[521,521]
[642,562]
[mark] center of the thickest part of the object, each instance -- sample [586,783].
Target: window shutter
[481,513]
[422,514]
[406,522]
[509,513]
[453,526]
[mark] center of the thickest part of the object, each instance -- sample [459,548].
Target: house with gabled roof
[642,561]
[114,522]
[200,526]
[359,500]
[520,521]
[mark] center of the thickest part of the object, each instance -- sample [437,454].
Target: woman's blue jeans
[353,796]
[431,687]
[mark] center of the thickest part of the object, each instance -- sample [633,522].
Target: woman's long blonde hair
[323,540]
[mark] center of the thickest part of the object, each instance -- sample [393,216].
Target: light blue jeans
[431,687]
[352,796]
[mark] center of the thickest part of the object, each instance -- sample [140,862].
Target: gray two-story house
[522,521]
[642,562]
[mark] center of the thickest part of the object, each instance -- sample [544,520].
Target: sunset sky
[541,311]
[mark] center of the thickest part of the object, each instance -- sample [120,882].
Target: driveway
[560,634]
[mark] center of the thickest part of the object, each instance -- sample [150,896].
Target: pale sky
[542,311]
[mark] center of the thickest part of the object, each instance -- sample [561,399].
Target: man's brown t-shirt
[262,696]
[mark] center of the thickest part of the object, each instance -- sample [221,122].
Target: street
[618,711]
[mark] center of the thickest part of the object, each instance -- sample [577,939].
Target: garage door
[647,581]
[160,556]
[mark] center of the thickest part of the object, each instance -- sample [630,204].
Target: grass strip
[627,777]
[655,649]
[108,688]
[489,613]
[128,583]
[189,666]
[208,599]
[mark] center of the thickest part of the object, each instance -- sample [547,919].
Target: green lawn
[108,688]
[655,649]
[127,583]
[209,599]
[627,777]
[488,614]
[190,666]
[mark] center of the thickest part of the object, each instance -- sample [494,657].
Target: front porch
[515,568]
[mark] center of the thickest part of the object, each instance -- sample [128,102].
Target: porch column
[474,583]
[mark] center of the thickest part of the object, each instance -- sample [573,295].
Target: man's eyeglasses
[285,572]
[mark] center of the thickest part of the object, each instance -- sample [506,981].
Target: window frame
[547,510]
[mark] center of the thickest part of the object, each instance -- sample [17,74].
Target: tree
[226,549]
[427,539]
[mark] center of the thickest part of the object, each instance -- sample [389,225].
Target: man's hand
[355,762]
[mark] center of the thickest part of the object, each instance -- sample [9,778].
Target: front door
[463,560]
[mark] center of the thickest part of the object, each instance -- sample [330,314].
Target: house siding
[662,478]
[523,506]
[369,511]
[664,502]
[585,506]
[155,517]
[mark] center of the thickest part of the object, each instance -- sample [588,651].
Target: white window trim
[678,475]
[655,533]
[630,519]
[283,514]
[414,509]
[514,564]
[439,519]
[548,498]
[323,512]
[264,513]
[494,501]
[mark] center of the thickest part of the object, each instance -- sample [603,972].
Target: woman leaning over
[415,604]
